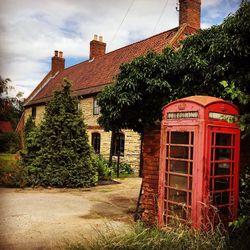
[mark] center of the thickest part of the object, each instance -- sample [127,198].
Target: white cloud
[32,30]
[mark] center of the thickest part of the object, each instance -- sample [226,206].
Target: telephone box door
[223,177]
[177,173]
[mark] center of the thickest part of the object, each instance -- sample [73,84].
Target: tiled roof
[91,77]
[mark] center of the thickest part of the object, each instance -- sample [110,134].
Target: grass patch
[139,237]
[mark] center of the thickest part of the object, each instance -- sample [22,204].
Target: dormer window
[96,108]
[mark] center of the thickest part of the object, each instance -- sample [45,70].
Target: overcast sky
[32,29]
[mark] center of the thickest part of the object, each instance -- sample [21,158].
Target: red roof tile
[91,77]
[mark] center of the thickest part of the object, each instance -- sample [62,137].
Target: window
[118,144]
[96,139]
[96,108]
[33,112]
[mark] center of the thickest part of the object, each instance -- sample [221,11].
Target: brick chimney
[190,12]
[58,62]
[97,47]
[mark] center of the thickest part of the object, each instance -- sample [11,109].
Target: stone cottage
[91,76]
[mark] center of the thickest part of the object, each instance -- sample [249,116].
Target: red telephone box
[199,161]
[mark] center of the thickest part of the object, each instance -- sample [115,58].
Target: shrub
[102,166]
[239,233]
[11,173]
[124,168]
[58,153]
[9,142]
[244,194]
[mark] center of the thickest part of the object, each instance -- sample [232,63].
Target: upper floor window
[96,108]
[118,144]
[33,112]
[95,142]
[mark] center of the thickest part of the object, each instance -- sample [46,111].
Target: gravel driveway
[46,218]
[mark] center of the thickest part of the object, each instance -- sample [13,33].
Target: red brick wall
[151,153]
[190,13]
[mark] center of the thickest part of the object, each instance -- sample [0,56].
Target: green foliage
[124,168]
[11,173]
[220,53]
[245,191]
[11,108]
[9,142]
[29,126]
[239,233]
[102,166]
[141,237]
[57,153]
[106,171]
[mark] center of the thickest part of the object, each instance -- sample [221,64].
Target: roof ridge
[128,45]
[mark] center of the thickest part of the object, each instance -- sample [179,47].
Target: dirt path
[45,218]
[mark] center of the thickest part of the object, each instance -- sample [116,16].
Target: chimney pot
[60,54]
[56,52]
[95,37]
[100,38]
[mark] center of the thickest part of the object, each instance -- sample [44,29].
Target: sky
[32,29]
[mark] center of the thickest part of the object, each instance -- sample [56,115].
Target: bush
[11,173]
[9,142]
[102,167]
[124,168]
[244,194]
[239,233]
[140,237]
[58,153]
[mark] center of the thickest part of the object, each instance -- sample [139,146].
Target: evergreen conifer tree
[63,155]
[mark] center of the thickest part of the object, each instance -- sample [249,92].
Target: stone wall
[39,114]
[151,154]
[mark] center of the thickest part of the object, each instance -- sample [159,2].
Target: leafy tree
[220,53]
[58,153]
[11,108]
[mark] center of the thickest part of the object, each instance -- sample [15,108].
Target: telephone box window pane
[221,183]
[177,210]
[179,167]
[222,154]
[180,138]
[221,198]
[177,196]
[179,182]
[223,139]
[191,168]
[179,152]
[222,168]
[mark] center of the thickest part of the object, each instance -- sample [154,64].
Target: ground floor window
[95,141]
[118,144]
